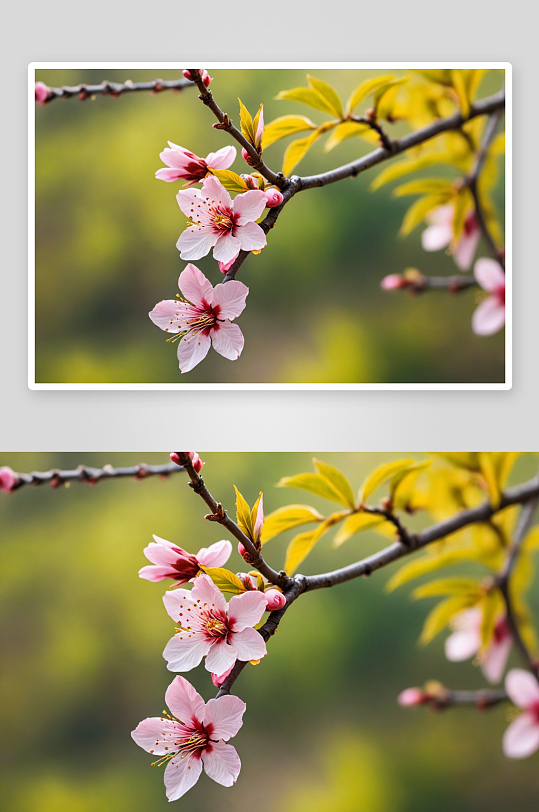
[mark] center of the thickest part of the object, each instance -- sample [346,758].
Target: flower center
[223,222]
[216,628]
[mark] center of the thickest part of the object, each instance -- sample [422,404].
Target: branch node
[218,516]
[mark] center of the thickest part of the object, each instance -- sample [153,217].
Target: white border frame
[159,66]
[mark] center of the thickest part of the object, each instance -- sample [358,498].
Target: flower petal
[161,555]
[169,175]
[221,159]
[206,595]
[245,610]
[184,702]
[248,206]
[227,247]
[437,236]
[220,657]
[180,775]
[155,735]
[495,660]
[195,286]
[192,349]
[216,555]
[176,601]
[226,716]
[155,573]
[228,340]
[185,651]
[465,249]
[195,242]
[166,315]
[188,200]
[489,274]
[489,317]
[521,738]
[251,236]
[222,763]
[216,194]
[462,645]
[249,644]
[522,687]
[230,297]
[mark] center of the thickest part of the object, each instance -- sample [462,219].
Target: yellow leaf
[348,129]
[425,186]
[463,203]
[442,77]
[394,83]
[397,170]
[300,546]
[448,586]
[306,95]
[229,179]
[419,210]
[486,463]
[364,90]
[337,480]
[246,124]
[243,514]
[442,613]
[329,94]
[402,484]
[381,475]
[492,606]
[429,563]
[498,145]
[297,150]
[465,459]
[458,81]
[224,580]
[355,524]
[286,518]
[283,126]
[315,483]
[254,513]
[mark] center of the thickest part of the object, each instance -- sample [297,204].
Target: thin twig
[482,699]
[452,284]
[84,473]
[115,89]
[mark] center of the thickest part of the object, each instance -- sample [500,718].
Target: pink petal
[225,714]
[221,159]
[188,200]
[216,555]
[166,314]
[259,516]
[489,317]
[184,702]
[164,542]
[249,206]
[522,687]
[196,241]
[260,128]
[251,236]
[436,237]
[179,158]
[462,644]
[153,573]
[222,763]
[154,735]
[230,297]
[220,657]
[249,644]
[185,651]
[176,601]
[227,247]
[169,175]
[192,349]
[489,274]
[228,340]
[226,266]
[161,555]
[180,775]
[465,249]
[246,610]
[194,285]
[215,192]
[521,738]
[205,593]
[495,660]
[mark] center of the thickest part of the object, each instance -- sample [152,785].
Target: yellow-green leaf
[329,94]
[224,580]
[300,546]
[246,123]
[231,181]
[459,83]
[463,203]
[283,126]
[348,129]
[441,77]
[243,514]
[442,613]
[254,512]
[448,586]
[429,563]
[297,150]
[462,459]
[355,524]
[306,95]
[338,481]
[364,90]
[286,518]
[315,483]
[394,83]
[498,145]
[425,186]
[402,484]
[491,606]
[401,168]
[419,210]
[488,470]
[381,475]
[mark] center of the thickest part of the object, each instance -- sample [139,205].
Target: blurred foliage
[106,233]
[82,639]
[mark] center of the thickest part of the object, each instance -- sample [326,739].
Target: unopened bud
[412,696]
[392,282]
[218,679]
[175,457]
[273,198]
[275,600]
[197,462]
[241,549]
[42,93]
[8,479]
[204,75]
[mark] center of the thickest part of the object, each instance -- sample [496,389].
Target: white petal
[249,206]
[180,775]
[183,653]
[249,644]
[195,242]
[221,159]
[227,247]
[228,340]
[489,274]
[522,687]
[155,735]
[230,297]
[216,555]
[521,738]
[222,763]
[192,349]
[226,716]
[489,317]
[194,286]
[251,237]
[462,645]
[220,657]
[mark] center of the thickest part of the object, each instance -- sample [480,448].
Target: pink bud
[392,282]
[226,266]
[245,155]
[175,457]
[197,462]
[275,600]
[8,479]
[219,679]
[42,93]
[241,549]
[273,198]
[412,696]
[204,75]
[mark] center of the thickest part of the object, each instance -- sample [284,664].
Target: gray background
[286,31]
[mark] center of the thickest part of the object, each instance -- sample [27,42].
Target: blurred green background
[83,635]
[106,232]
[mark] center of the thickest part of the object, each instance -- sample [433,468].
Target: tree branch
[452,284]
[444,698]
[83,473]
[115,89]
[218,514]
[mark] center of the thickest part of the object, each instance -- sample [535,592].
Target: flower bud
[8,479]
[226,266]
[241,549]
[218,679]
[275,600]
[204,75]
[245,155]
[273,198]
[175,457]
[42,93]
[412,696]
[197,462]
[392,282]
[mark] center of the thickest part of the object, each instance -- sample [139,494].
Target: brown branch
[443,698]
[218,514]
[404,536]
[115,89]
[451,284]
[84,473]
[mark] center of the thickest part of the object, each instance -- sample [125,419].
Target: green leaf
[315,483]
[338,481]
[243,514]
[448,586]
[300,546]
[419,210]
[425,186]
[224,580]
[286,518]
[246,124]
[283,126]
[231,181]
[306,95]
[365,89]
[401,168]
[381,475]
[355,524]
[442,613]
[329,94]
[297,150]
[348,129]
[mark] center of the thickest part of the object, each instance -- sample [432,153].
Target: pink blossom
[439,234]
[197,462]
[215,221]
[8,478]
[465,642]
[211,628]
[204,75]
[203,317]
[412,696]
[521,738]
[185,165]
[226,266]
[171,561]
[218,679]
[275,600]
[273,198]
[193,737]
[489,316]
[42,93]
[393,282]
